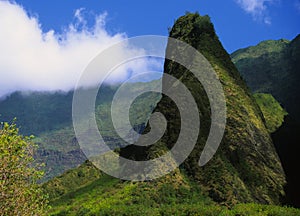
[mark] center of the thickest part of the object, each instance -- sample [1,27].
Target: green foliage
[273,113]
[110,196]
[246,167]
[174,194]
[263,48]
[59,151]
[19,192]
[263,65]
[272,67]
[260,210]
[72,179]
[48,116]
[37,112]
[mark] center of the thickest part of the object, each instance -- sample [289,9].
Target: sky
[45,45]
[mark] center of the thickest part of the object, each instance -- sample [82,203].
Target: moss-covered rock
[273,67]
[246,167]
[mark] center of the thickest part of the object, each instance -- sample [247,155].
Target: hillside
[87,191]
[272,111]
[246,167]
[273,67]
[48,116]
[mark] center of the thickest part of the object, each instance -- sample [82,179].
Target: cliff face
[273,67]
[246,167]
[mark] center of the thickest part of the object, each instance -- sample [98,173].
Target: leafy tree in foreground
[19,192]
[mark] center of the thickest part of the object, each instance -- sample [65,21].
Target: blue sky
[46,45]
[239,23]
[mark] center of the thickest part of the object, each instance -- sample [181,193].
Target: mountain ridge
[246,152]
[277,73]
[245,169]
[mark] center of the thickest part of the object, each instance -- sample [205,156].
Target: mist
[33,60]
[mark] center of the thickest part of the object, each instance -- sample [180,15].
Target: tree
[19,192]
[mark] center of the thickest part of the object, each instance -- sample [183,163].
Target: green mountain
[246,167]
[48,116]
[273,67]
[87,191]
[37,112]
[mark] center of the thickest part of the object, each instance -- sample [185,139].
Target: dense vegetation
[273,113]
[49,117]
[87,191]
[273,67]
[246,167]
[37,112]
[19,192]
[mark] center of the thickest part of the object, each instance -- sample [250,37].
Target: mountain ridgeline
[246,167]
[48,116]
[244,177]
[274,67]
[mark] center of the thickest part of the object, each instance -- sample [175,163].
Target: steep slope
[272,111]
[246,167]
[251,63]
[274,67]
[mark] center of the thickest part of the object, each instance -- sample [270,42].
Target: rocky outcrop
[246,167]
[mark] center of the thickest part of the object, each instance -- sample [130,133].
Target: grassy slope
[87,191]
[273,113]
[262,48]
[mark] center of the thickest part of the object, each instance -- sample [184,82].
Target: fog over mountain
[35,60]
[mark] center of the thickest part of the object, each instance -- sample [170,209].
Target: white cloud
[33,60]
[257,8]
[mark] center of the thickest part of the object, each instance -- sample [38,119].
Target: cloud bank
[257,8]
[33,60]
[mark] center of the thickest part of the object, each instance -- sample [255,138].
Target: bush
[20,194]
